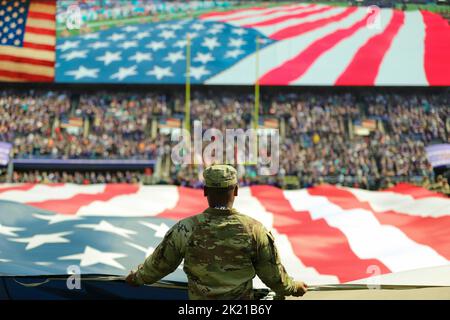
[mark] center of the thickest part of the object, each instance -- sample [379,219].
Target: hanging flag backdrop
[27,40]
[300,44]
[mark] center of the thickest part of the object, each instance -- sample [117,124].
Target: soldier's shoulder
[250,222]
[189,222]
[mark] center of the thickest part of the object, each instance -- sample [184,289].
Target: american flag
[27,40]
[326,234]
[300,44]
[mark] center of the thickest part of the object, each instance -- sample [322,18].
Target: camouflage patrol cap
[220,176]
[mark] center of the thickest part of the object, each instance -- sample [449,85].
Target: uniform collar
[220,211]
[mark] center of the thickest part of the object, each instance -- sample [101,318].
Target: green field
[99,25]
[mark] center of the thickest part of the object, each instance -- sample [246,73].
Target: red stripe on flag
[429,231]
[279,9]
[37,62]
[437,49]
[41,15]
[25,76]
[226,13]
[297,66]
[40,31]
[190,202]
[286,17]
[364,67]
[24,187]
[38,46]
[51,3]
[305,27]
[73,204]
[414,191]
[432,232]
[314,242]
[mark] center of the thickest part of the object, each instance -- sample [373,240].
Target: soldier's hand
[131,279]
[302,288]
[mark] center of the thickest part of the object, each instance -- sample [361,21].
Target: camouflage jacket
[223,250]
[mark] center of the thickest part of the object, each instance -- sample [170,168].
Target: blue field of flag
[154,52]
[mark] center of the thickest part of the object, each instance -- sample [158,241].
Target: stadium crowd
[319,142]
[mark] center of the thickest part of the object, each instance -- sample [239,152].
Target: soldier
[222,249]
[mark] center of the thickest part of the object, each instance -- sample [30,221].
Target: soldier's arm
[270,269]
[164,260]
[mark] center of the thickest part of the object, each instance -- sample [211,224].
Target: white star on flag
[204,57]
[160,72]
[147,251]
[238,31]
[83,72]
[233,53]
[57,218]
[43,263]
[99,45]
[180,44]
[191,35]
[160,230]
[163,26]
[90,36]
[210,43]
[176,27]
[198,26]
[40,239]
[214,31]
[141,56]
[128,44]
[92,256]
[174,56]
[236,43]
[198,72]
[68,45]
[167,34]
[130,29]
[105,226]
[116,37]
[142,35]
[74,55]
[156,45]
[109,57]
[9,231]
[218,26]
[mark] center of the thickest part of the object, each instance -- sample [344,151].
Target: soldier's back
[220,247]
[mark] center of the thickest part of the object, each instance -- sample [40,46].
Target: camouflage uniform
[222,249]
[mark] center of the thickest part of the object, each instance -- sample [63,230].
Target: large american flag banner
[299,44]
[27,40]
[326,234]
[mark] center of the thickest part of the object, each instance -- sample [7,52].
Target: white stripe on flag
[147,201]
[241,13]
[249,205]
[404,61]
[268,30]
[10,185]
[402,203]
[263,13]
[328,67]
[271,16]
[366,236]
[42,192]
[243,72]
